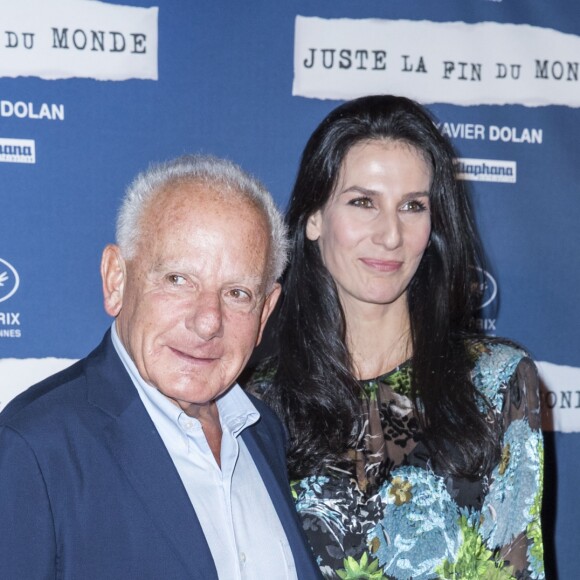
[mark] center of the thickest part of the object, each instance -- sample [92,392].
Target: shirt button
[242,557]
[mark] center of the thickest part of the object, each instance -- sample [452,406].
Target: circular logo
[487,289]
[9,280]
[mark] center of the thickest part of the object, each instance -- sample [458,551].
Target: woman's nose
[387,230]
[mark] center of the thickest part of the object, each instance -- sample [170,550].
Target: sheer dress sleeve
[510,521]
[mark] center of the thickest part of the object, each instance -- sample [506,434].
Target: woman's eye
[414,205]
[176,279]
[365,202]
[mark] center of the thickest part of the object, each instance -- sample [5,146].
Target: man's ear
[313,226]
[113,273]
[268,308]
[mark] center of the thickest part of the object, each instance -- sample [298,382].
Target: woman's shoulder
[495,362]
[499,354]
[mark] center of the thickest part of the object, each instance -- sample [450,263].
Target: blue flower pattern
[492,371]
[506,510]
[410,522]
[417,535]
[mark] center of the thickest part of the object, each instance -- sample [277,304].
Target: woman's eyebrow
[374,192]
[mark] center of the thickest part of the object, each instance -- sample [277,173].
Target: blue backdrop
[225,77]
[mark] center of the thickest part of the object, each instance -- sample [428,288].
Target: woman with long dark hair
[415,444]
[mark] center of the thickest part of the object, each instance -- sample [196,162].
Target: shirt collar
[236,411]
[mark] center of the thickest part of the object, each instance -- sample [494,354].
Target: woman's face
[373,230]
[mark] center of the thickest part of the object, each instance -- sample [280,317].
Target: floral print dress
[389,514]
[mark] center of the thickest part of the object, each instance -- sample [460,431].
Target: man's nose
[206,317]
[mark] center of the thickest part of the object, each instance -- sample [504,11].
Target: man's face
[192,304]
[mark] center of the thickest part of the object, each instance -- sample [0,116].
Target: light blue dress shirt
[240,523]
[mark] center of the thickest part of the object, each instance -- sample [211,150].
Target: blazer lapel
[274,475]
[137,447]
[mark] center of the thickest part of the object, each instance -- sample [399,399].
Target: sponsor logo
[515,135]
[17,150]
[486,170]
[476,131]
[9,280]
[11,319]
[487,289]
[487,292]
[22,110]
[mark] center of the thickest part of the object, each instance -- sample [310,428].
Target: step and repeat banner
[93,92]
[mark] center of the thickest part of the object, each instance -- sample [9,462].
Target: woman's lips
[382,265]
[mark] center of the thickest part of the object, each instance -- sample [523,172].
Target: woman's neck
[378,337]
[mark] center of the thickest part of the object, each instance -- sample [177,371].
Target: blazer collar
[272,468]
[138,449]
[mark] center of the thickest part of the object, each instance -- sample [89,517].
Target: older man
[142,460]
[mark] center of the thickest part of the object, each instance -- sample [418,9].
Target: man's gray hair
[223,175]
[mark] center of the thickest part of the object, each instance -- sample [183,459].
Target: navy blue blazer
[88,489]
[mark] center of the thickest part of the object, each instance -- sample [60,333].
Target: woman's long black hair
[314,389]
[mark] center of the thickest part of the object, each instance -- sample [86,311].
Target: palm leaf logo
[9,280]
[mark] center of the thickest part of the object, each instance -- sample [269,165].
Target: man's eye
[239,294]
[176,279]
